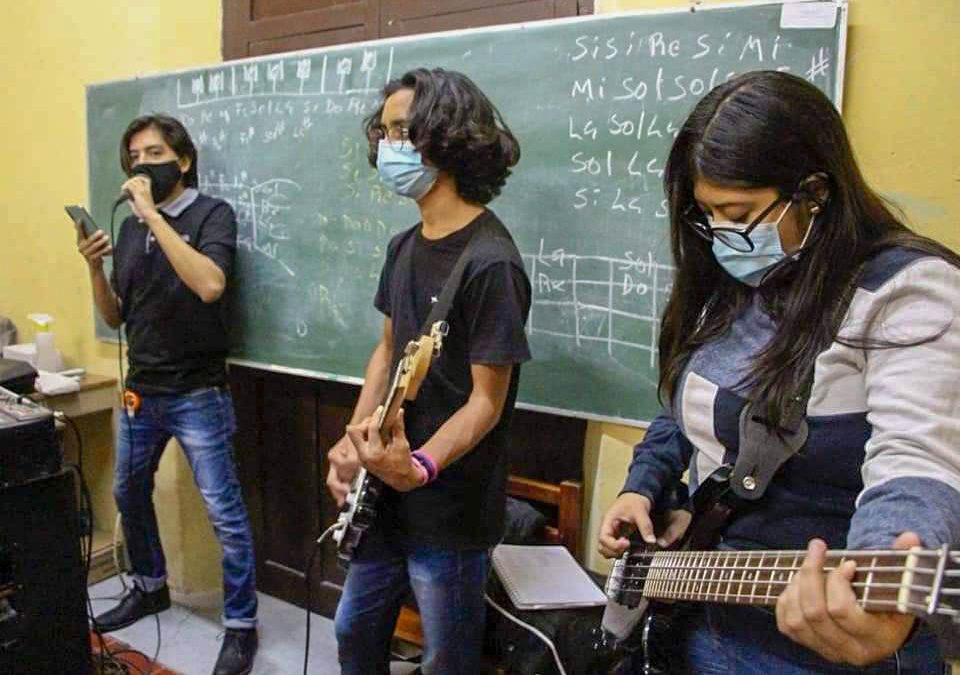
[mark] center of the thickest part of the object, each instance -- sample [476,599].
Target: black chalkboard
[595,103]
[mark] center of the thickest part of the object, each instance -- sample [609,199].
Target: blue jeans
[745,641]
[448,585]
[203,422]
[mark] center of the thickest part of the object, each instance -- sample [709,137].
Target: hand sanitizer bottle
[48,358]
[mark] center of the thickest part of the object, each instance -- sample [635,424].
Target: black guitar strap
[441,308]
[764,448]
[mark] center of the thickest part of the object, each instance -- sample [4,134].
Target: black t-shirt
[464,507]
[177,342]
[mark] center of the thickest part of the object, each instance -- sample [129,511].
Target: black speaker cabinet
[43,621]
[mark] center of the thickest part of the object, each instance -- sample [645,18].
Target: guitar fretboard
[903,581]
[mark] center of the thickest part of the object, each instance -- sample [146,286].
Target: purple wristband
[426,461]
[424,477]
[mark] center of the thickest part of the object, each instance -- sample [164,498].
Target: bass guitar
[925,583]
[360,508]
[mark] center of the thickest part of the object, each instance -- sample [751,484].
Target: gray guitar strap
[763,448]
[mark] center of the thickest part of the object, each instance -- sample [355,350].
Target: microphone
[139,170]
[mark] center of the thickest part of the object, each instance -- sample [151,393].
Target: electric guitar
[925,583]
[360,508]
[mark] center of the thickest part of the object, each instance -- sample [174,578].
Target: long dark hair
[174,134]
[456,127]
[772,129]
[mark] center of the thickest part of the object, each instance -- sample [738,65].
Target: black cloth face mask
[163,178]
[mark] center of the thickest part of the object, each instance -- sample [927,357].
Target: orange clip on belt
[131,400]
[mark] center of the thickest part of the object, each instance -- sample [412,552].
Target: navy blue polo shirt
[177,342]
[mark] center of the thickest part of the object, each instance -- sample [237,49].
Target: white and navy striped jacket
[883,454]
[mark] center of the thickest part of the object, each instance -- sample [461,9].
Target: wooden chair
[565,498]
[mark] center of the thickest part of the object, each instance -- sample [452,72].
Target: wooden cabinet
[92,410]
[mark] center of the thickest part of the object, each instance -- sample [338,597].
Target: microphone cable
[106,657]
[151,663]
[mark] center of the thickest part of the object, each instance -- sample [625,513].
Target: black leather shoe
[133,606]
[236,654]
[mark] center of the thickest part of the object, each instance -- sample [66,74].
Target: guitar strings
[880,585]
[850,555]
[766,599]
[876,569]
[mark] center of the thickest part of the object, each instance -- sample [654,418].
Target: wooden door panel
[334,414]
[286,424]
[288,485]
[292,43]
[261,9]
[276,453]
[411,17]
[258,27]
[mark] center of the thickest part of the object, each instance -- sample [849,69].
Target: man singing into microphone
[172,264]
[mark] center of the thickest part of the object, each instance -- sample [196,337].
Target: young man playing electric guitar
[438,140]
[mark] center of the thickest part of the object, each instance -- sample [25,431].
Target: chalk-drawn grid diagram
[598,300]
[261,209]
[294,77]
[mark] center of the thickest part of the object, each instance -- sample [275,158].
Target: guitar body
[359,515]
[652,647]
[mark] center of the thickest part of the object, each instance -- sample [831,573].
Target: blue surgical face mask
[402,170]
[750,267]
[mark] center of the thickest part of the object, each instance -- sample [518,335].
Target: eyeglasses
[396,136]
[736,238]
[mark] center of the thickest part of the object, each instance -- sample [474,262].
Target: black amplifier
[28,440]
[43,621]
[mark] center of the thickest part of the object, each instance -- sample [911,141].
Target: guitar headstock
[417,357]
[410,373]
[930,583]
[928,587]
[438,331]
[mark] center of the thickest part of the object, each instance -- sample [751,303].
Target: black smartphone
[80,215]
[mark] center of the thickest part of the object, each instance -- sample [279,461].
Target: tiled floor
[191,639]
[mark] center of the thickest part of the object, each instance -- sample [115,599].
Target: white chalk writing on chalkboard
[596,105]
[598,299]
[260,209]
[270,79]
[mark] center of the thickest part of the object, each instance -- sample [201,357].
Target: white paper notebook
[544,577]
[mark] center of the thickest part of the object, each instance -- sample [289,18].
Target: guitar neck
[901,581]
[392,403]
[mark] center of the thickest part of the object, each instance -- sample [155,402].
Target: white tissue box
[22,352]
